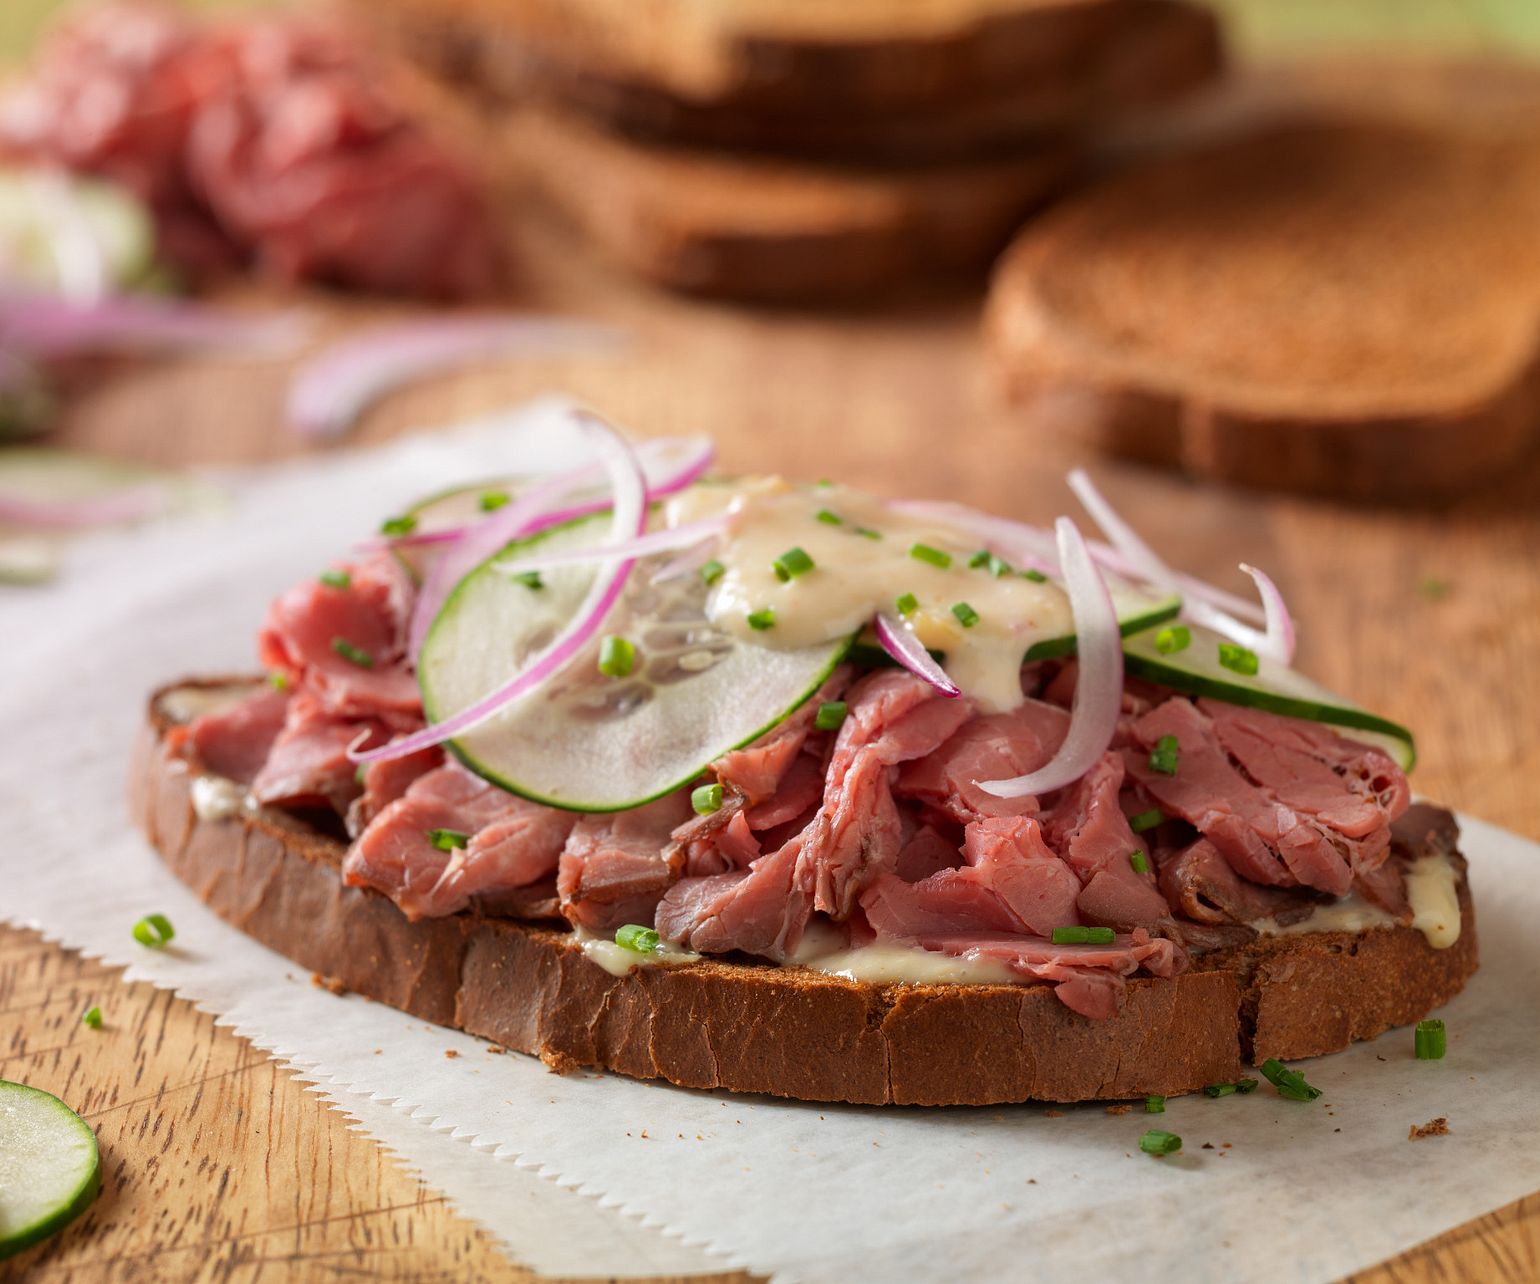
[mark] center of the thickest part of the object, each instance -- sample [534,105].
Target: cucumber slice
[63,476]
[587,742]
[50,1169]
[116,223]
[1137,610]
[1274,688]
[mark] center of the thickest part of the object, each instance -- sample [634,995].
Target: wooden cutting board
[220,1166]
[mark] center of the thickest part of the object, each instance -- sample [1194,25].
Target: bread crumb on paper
[330,983]
[1120,1109]
[450,1052]
[1433,1128]
[1053,1114]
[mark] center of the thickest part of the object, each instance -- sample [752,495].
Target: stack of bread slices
[803,150]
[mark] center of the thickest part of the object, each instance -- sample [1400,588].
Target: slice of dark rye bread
[1158,51]
[790,1032]
[773,230]
[1344,306]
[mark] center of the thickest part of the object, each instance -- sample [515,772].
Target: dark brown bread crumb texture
[789,1032]
[1346,307]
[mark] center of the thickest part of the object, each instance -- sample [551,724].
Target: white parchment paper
[1289,1191]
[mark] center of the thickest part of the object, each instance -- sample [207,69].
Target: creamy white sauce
[1431,883]
[184,704]
[215,798]
[854,577]
[824,948]
[617,960]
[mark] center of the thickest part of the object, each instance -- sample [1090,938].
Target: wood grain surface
[221,1166]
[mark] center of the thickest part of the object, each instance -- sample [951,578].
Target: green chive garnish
[995,565]
[712,571]
[336,579]
[1037,577]
[831,713]
[1159,1142]
[352,654]
[154,930]
[1139,861]
[398,525]
[762,619]
[1290,1083]
[933,556]
[706,799]
[1433,588]
[1166,755]
[1220,1090]
[906,603]
[865,532]
[1173,638]
[1083,936]
[529,579]
[633,936]
[492,500]
[617,657]
[1238,659]
[1146,820]
[1428,1040]
[1244,1086]
[981,558]
[965,614]
[278,681]
[828,518]
[448,840]
[792,563]
[92,1018]
[1154,1105]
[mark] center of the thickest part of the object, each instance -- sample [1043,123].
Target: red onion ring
[329,393]
[100,510]
[1098,682]
[1277,641]
[629,487]
[899,641]
[660,541]
[43,325]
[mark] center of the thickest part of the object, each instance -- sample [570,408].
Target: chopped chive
[792,563]
[824,482]
[995,565]
[353,654]
[92,1018]
[932,556]
[1037,577]
[706,799]
[1220,1090]
[906,603]
[359,772]
[633,936]
[865,532]
[1154,1105]
[831,713]
[336,579]
[1290,1083]
[617,657]
[1173,638]
[278,681]
[762,619]
[1433,588]
[398,525]
[1139,861]
[1244,1086]
[529,579]
[492,500]
[1146,820]
[1166,755]
[1159,1142]
[1074,935]
[965,614]
[712,571]
[981,558]
[1238,659]
[1428,1040]
[828,518]
[448,840]
[154,930]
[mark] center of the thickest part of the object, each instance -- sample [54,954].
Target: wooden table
[219,1164]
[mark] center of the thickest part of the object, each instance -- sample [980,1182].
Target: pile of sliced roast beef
[877,827]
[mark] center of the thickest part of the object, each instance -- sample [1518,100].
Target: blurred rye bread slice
[758,228]
[1155,53]
[1345,307]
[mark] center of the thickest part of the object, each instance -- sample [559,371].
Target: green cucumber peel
[50,1167]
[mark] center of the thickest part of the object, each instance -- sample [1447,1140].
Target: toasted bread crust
[788,1032]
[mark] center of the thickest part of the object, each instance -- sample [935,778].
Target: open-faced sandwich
[785,788]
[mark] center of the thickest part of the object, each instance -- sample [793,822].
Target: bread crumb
[1227,1144]
[1121,1109]
[377,1051]
[496,1049]
[1433,1128]
[1053,1114]
[1031,1181]
[327,983]
[645,1137]
[450,1052]
[1207,1145]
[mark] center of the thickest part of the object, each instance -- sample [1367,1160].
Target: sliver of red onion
[899,641]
